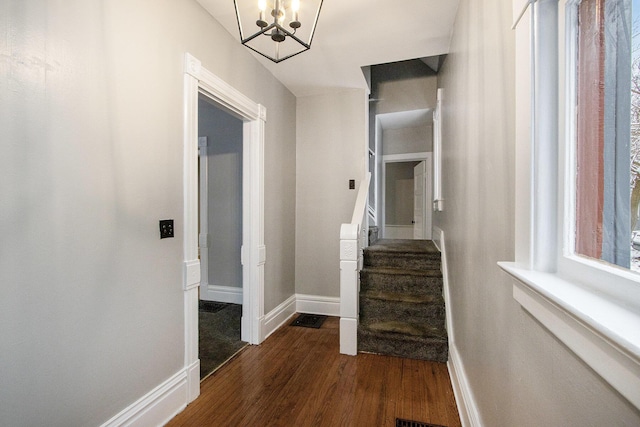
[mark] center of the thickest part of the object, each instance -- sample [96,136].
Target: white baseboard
[157,407]
[278,316]
[228,294]
[437,237]
[193,381]
[299,303]
[349,336]
[469,414]
[314,304]
[168,399]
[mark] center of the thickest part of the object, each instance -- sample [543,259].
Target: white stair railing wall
[353,240]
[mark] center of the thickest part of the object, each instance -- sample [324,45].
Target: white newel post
[353,240]
[349,254]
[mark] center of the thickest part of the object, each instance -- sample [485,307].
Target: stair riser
[400,283]
[374,311]
[433,351]
[403,261]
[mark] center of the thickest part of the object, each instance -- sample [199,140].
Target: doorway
[198,80]
[406,190]
[220,235]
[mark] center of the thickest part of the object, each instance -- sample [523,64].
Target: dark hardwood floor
[298,378]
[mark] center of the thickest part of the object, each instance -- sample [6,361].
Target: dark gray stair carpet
[402,311]
[374,233]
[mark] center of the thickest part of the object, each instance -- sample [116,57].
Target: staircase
[402,310]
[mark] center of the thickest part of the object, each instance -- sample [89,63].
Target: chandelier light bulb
[295,7]
[262,5]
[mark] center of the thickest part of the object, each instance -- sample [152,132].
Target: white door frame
[203,232]
[197,80]
[397,158]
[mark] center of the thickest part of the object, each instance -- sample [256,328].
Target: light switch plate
[166,228]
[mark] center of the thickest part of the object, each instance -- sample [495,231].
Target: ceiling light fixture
[277,29]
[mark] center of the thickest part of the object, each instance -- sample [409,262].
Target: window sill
[605,335]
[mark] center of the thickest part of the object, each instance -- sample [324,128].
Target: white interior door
[421,193]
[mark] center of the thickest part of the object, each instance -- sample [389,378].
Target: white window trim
[438,201]
[590,306]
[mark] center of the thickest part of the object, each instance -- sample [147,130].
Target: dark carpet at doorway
[218,333]
[309,321]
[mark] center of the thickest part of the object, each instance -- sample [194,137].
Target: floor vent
[211,306]
[309,321]
[407,423]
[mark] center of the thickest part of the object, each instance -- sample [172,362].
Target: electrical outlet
[166,228]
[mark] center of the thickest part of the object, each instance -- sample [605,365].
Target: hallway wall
[331,138]
[91,124]
[224,195]
[519,374]
[414,139]
[408,94]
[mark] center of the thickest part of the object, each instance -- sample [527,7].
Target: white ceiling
[355,33]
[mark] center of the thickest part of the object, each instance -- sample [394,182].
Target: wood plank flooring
[298,378]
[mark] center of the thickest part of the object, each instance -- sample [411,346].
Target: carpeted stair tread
[404,260]
[400,328]
[403,345]
[402,297]
[430,315]
[402,271]
[422,247]
[395,281]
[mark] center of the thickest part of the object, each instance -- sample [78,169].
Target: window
[575,171]
[605,212]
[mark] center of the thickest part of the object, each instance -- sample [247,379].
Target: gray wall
[224,193]
[331,134]
[91,124]
[520,375]
[406,95]
[414,139]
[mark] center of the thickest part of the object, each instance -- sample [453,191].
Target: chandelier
[277,29]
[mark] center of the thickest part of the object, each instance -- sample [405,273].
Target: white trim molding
[314,304]
[298,303]
[219,293]
[198,80]
[155,408]
[604,335]
[278,316]
[467,408]
[438,202]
